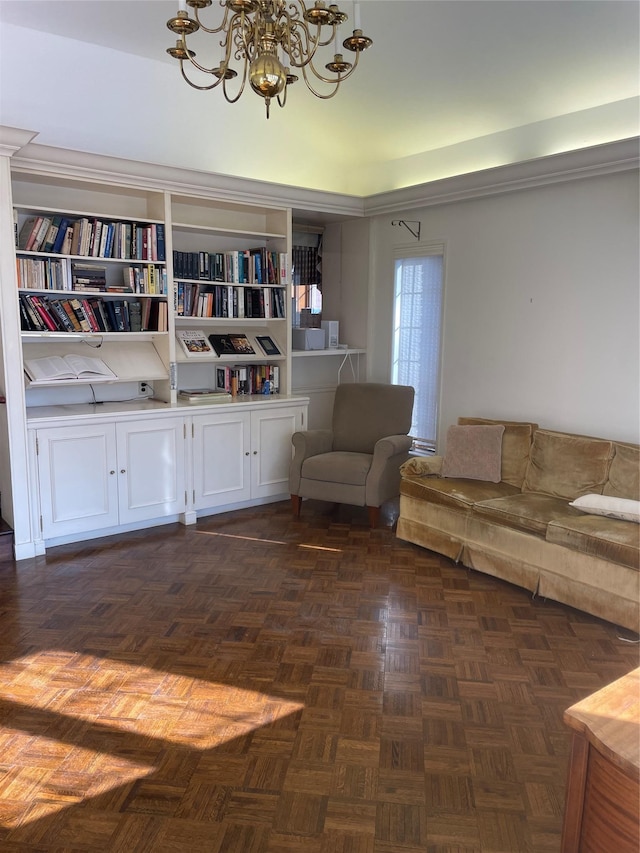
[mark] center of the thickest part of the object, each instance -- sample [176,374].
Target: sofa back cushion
[624,473]
[567,466]
[516,446]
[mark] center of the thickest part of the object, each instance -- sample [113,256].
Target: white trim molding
[604,159]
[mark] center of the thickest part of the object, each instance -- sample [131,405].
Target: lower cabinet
[242,455]
[97,476]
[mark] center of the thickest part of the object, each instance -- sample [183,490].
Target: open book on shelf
[56,368]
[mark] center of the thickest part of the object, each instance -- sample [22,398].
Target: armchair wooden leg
[374,516]
[296,504]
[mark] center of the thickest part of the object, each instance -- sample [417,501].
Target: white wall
[541,305]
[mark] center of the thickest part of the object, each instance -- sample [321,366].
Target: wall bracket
[408,225]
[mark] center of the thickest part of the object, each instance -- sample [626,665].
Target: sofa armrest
[307,443]
[422,466]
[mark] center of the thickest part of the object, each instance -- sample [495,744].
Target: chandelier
[267,41]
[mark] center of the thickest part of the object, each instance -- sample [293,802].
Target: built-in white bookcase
[207,231]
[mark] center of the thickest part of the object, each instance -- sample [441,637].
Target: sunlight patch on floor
[110,718]
[262,541]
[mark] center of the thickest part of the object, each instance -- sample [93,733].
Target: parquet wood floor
[259,684]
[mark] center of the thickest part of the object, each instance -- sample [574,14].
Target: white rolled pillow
[622,508]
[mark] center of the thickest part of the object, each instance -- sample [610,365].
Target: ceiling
[448,87]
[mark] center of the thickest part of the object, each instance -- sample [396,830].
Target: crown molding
[322,206]
[12,139]
[49,160]
[604,159]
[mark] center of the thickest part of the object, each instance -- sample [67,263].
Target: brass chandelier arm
[223,25]
[342,75]
[324,96]
[264,42]
[195,85]
[236,97]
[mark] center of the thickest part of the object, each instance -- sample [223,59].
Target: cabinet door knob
[255,452]
[112,472]
[123,470]
[246,453]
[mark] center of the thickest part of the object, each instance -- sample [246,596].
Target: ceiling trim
[12,139]
[29,157]
[49,160]
[571,165]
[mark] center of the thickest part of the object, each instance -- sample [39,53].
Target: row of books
[305,265]
[92,237]
[250,266]
[91,314]
[55,274]
[227,300]
[248,379]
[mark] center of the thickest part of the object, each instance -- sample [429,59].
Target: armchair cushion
[365,412]
[338,467]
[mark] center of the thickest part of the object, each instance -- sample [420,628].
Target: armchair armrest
[307,443]
[391,445]
[383,479]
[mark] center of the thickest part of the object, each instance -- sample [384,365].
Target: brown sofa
[522,529]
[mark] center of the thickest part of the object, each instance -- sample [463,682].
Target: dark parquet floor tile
[263,684]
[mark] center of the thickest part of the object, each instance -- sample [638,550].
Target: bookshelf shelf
[228,232]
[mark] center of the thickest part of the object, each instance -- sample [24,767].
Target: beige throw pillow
[474,453]
[516,445]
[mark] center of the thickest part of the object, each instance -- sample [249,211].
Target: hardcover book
[203,395]
[222,344]
[194,343]
[268,345]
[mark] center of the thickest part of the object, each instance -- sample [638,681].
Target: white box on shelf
[331,328]
[306,339]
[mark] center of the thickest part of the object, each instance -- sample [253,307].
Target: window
[417,332]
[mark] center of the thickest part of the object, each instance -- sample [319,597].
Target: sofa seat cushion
[455,493]
[607,538]
[530,512]
[338,466]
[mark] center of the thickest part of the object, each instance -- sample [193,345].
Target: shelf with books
[73,312]
[229,301]
[73,272]
[88,235]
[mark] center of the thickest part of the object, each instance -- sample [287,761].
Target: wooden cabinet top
[610,720]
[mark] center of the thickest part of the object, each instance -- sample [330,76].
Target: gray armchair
[357,461]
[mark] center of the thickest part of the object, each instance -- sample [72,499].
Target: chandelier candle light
[254,34]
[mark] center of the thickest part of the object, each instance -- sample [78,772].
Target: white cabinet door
[271,449]
[221,458]
[77,478]
[151,468]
